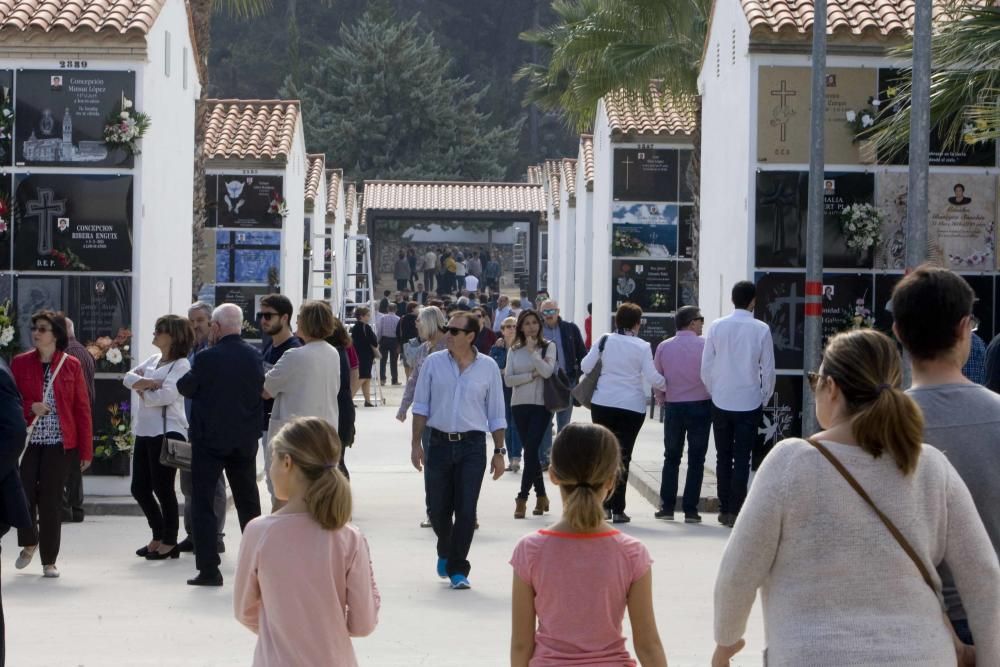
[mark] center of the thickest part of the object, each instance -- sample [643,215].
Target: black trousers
[240,466]
[532,422]
[153,487]
[735,434]
[625,424]
[389,347]
[453,477]
[73,494]
[429,279]
[43,475]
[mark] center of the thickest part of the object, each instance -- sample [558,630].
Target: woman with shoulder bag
[844,533]
[160,415]
[56,407]
[530,361]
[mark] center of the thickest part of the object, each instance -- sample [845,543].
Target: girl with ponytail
[576,579]
[838,585]
[304,581]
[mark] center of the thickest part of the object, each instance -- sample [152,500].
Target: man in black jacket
[225,385]
[13,504]
[570,351]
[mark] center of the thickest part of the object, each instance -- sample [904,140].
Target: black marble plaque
[6,117]
[686,231]
[72,223]
[6,218]
[847,296]
[247,299]
[983,308]
[884,284]
[646,174]
[652,285]
[61,114]
[781,304]
[249,201]
[654,329]
[112,409]
[684,189]
[687,284]
[839,191]
[782,416]
[35,293]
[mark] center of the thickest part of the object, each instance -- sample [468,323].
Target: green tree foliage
[383,105]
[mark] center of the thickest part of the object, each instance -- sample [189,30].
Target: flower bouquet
[112,355]
[126,126]
[67,259]
[278,206]
[118,437]
[862,226]
[862,121]
[861,318]
[9,341]
[627,245]
[6,120]
[4,213]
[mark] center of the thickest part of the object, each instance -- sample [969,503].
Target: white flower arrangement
[114,356]
[125,127]
[862,226]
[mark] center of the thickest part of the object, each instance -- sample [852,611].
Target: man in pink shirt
[688,408]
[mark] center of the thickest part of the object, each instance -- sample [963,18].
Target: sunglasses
[454,331]
[267,316]
[548,312]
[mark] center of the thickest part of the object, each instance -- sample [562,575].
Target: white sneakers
[24,559]
[50,572]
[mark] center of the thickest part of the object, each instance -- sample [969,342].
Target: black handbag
[557,391]
[583,392]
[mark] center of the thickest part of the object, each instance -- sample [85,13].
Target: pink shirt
[679,361]
[581,584]
[304,590]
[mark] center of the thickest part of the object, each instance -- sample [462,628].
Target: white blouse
[627,372]
[147,421]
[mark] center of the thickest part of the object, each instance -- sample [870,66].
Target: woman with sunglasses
[499,352]
[160,414]
[530,361]
[57,409]
[838,587]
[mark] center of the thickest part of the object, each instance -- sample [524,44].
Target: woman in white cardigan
[305,381]
[837,587]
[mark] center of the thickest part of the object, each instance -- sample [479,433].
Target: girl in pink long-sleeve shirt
[304,581]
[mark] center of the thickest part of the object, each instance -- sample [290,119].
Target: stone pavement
[111,609]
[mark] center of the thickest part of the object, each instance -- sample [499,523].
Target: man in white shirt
[430,269]
[737,368]
[471,283]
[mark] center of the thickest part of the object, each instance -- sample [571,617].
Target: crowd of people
[873,542]
[447,270]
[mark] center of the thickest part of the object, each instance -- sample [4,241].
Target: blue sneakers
[442,568]
[460,582]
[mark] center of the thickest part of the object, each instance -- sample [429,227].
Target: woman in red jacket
[57,409]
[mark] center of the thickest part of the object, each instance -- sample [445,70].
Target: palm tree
[602,47]
[964,85]
[201,19]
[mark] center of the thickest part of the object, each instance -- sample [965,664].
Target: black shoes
[156,555]
[206,579]
[142,552]
[727,520]
[620,517]
[692,518]
[664,515]
[185,545]
[220,547]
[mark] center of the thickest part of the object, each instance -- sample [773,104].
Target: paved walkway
[111,609]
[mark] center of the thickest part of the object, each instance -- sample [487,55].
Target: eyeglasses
[698,319]
[267,316]
[549,312]
[40,329]
[454,331]
[814,379]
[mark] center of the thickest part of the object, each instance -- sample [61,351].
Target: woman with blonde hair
[844,533]
[305,603]
[575,580]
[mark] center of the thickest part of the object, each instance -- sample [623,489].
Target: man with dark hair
[688,409]
[459,397]
[737,368]
[932,309]
[276,321]
[73,494]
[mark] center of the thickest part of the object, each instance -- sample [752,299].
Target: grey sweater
[517,374]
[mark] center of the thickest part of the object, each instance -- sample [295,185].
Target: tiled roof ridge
[315,163]
[476,196]
[374,181]
[250,129]
[121,16]
[334,179]
[628,114]
[883,18]
[552,174]
[569,175]
[587,146]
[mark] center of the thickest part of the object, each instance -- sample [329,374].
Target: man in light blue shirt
[459,398]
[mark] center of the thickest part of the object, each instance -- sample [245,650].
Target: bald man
[225,385]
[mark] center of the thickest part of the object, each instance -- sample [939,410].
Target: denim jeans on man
[453,477]
[510,436]
[694,419]
[735,434]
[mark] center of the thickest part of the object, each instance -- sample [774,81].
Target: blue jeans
[563,418]
[735,434]
[453,477]
[693,418]
[511,437]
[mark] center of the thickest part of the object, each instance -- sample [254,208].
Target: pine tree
[382,104]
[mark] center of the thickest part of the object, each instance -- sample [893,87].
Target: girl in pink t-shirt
[578,577]
[304,580]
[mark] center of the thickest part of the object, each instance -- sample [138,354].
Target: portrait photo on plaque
[781,305]
[646,174]
[60,117]
[247,298]
[246,256]
[250,201]
[6,117]
[75,222]
[651,285]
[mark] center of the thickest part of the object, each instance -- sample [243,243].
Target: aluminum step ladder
[358,290]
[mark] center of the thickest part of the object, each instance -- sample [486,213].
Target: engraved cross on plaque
[47,208]
[627,162]
[784,94]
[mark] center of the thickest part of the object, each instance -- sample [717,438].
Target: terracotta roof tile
[569,176]
[334,179]
[628,115]
[587,148]
[314,175]
[449,196]
[884,18]
[535,175]
[250,129]
[551,173]
[73,15]
[351,200]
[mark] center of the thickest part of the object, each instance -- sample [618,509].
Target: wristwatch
[502,451]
